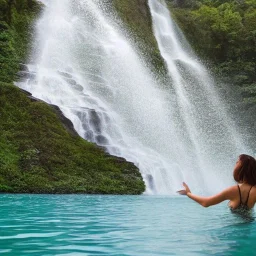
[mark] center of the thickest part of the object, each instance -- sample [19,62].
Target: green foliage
[218,27]
[16,18]
[251,3]
[185,3]
[3,9]
[8,55]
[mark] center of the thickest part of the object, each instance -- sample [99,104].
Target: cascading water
[84,63]
[211,133]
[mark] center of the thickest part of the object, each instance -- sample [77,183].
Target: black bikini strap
[239,194]
[248,195]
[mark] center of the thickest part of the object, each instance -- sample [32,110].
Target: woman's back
[248,195]
[244,197]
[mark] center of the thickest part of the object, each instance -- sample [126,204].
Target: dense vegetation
[37,153]
[16,18]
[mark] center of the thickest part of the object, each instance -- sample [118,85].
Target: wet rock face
[64,74]
[88,135]
[23,67]
[95,121]
[26,75]
[143,7]
[91,123]
[27,93]
[100,139]
[74,84]
[65,121]
[150,181]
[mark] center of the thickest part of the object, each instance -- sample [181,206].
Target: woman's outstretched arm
[226,194]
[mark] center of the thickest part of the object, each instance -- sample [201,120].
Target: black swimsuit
[242,207]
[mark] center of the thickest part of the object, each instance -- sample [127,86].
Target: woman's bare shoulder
[231,191]
[253,191]
[232,188]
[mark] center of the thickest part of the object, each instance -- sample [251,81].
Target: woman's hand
[184,191]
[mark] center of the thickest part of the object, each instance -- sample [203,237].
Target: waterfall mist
[84,63]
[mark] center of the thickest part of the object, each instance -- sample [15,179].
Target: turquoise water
[120,225]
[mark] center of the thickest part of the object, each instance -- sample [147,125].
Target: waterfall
[211,133]
[85,63]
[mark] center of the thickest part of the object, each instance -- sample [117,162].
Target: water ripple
[119,225]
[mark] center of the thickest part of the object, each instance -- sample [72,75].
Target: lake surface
[120,225]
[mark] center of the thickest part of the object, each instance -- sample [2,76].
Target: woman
[242,197]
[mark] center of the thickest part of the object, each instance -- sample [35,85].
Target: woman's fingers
[184,184]
[182,192]
[186,187]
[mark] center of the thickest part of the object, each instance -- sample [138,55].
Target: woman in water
[242,196]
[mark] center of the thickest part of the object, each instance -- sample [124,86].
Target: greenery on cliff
[135,14]
[37,153]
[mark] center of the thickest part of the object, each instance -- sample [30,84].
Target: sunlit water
[120,225]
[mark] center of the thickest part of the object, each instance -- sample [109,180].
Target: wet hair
[247,172]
